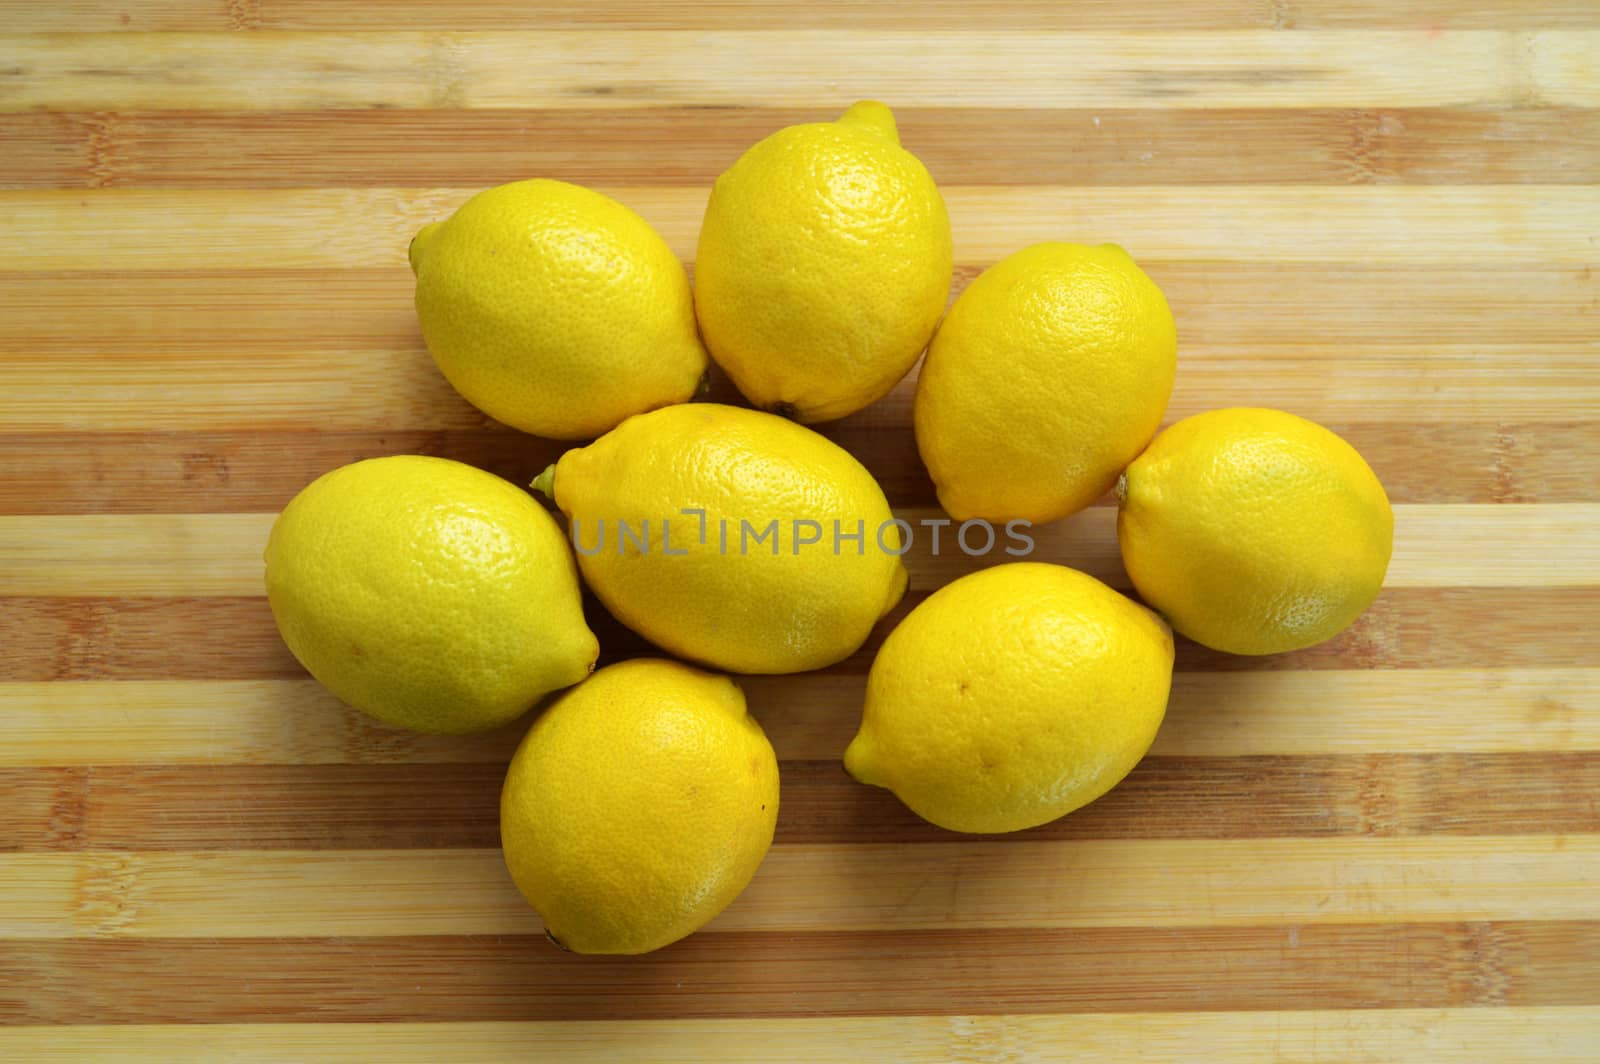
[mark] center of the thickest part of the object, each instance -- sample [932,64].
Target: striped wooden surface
[1385,216]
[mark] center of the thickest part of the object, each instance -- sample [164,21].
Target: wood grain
[1438,462]
[1381,216]
[1548,545]
[1479,964]
[633,68]
[1548,1035]
[188,316]
[806,888]
[454,805]
[1022,146]
[1385,225]
[191,15]
[90,638]
[812,717]
[399,389]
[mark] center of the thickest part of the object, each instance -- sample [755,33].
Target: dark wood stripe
[200,149]
[138,638]
[234,638]
[429,806]
[1085,15]
[226,472]
[1441,628]
[1022,970]
[1250,797]
[260,471]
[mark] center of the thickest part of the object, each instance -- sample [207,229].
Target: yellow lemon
[555,309]
[1012,696]
[427,593]
[731,537]
[824,264]
[1049,375]
[639,805]
[1254,531]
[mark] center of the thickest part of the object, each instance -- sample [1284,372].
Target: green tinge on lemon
[429,594]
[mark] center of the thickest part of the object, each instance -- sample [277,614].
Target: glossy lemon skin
[556,309]
[1254,531]
[1050,374]
[638,806]
[718,589]
[427,593]
[824,263]
[1011,697]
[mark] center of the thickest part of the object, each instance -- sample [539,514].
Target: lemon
[824,264]
[1012,696]
[639,805]
[731,537]
[1049,375]
[427,593]
[1254,531]
[556,309]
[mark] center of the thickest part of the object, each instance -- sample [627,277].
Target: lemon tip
[545,482]
[858,761]
[419,243]
[872,115]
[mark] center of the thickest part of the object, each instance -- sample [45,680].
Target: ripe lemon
[1012,696]
[824,264]
[639,805]
[556,309]
[1254,531]
[427,593]
[1049,375]
[731,537]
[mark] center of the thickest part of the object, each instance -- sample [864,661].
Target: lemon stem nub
[414,249]
[545,483]
[874,116]
[1122,488]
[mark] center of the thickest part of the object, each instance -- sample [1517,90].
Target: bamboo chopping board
[1384,217]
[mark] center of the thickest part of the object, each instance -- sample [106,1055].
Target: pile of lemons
[435,596]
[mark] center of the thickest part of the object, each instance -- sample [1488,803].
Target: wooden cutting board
[1382,216]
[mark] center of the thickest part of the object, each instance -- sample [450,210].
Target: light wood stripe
[1547,1035]
[456,806]
[1554,545]
[260,471]
[994,68]
[313,386]
[1068,146]
[108,229]
[812,717]
[1436,545]
[213,722]
[192,554]
[1369,711]
[1453,308]
[202,15]
[954,885]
